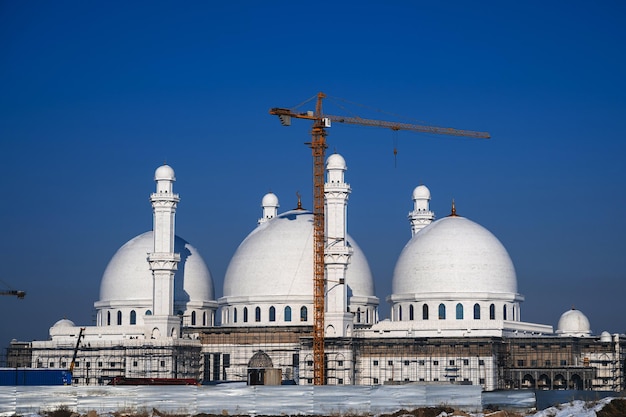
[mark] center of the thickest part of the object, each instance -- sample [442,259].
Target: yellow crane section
[318,146]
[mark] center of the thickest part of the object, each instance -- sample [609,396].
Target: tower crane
[18,294]
[318,146]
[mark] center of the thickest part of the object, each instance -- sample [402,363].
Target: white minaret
[163,261]
[421,216]
[337,319]
[270,207]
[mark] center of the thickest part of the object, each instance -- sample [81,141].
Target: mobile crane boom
[318,146]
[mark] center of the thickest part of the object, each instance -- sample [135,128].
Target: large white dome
[276,259]
[454,255]
[128,278]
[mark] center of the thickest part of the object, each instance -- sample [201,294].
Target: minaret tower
[337,320]
[270,207]
[421,216]
[163,260]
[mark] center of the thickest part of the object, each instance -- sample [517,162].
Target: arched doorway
[528,382]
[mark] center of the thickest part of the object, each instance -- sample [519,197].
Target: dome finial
[299,201]
[453,212]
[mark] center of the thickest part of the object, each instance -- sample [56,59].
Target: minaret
[270,207]
[337,320]
[163,261]
[421,216]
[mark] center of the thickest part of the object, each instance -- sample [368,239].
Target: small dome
[455,255]
[336,161]
[573,323]
[164,172]
[421,192]
[269,200]
[128,277]
[605,337]
[64,323]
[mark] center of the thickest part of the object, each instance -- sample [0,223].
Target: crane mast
[318,147]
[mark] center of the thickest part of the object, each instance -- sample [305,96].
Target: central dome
[454,255]
[276,259]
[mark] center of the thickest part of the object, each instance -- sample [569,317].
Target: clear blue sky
[95,95]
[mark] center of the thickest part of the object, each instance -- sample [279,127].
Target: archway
[528,381]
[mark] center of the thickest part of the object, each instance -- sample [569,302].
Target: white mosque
[455,309]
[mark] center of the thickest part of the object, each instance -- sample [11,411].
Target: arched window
[425,312]
[235,315]
[133,317]
[303,314]
[272,313]
[358,315]
[459,311]
[411,312]
[399,313]
[442,311]
[287,313]
[204,318]
[108,318]
[257,314]
[119,318]
[193,318]
[476,311]
[504,312]
[245,314]
[492,312]
[148,313]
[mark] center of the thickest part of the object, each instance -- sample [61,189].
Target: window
[358,315]
[435,362]
[51,364]
[245,314]
[234,315]
[520,362]
[375,380]
[548,363]
[390,363]
[339,363]
[442,311]
[272,313]
[204,318]
[135,363]
[411,313]
[459,311]
[533,363]
[63,364]
[563,362]
[113,364]
[481,381]
[309,363]
[303,313]
[400,313]
[406,363]
[481,362]
[425,312]
[340,381]
[492,312]
[148,313]
[162,363]
[476,311]
[108,318]
[451,363]
[421,362]
[133,317]
[287,313]
[193,318]
[375,363]
[309,380]
[504,312]
[466,362]
[119,318]
[257,314]
[99,364]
